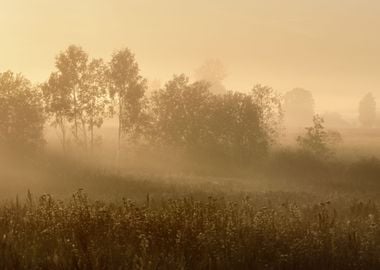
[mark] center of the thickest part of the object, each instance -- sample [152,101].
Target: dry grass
[213,233]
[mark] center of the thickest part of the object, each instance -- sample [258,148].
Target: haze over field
[330,47]
[173,134]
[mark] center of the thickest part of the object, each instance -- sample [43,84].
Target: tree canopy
[21,113]
[237,126]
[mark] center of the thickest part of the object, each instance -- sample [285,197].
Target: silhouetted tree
[127,89]
[298,107]
[271,113]
[58,104]
[77,93]
[93,98]
[233,126]
[72,65]
[179,112]
[314,140]
[21,113]
[237,128]
[317,140]
[367,110]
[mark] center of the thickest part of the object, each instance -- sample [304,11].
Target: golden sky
[331,47]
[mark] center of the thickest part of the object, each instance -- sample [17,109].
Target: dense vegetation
[182,118]
[199,122]
[256,232]
[184,222]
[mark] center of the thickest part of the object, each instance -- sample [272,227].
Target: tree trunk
[75,113]
[120,130]
[92,136]
[84,134]
[91,127]
[61,124]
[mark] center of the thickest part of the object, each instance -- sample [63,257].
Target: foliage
[269,103]
[71,65]
[183,115]
[94,99]
[21,113]
[180,112]
[187,234]
[127,89]
[317,140]
[57,104]
[236,127]
[77,94]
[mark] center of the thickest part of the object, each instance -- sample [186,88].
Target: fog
[173,134]
[327,47]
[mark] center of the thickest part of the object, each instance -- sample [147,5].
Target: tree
[77,94]
[179,112]
[127,89]
[232,127]
[57,104]
[317,140]
[298,107]
[269,104]
[21,113]
[213,72]
[367,110]
[237,130]
[72,67]
[93,99]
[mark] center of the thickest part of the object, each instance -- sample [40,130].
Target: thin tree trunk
[92,126]
[63,131]
[84,134]
[75,113]
[119,131]
[92,136]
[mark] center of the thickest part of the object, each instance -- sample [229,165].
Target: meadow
[261,231]
[322,220]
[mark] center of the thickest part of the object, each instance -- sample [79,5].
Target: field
[257,231]
[190,222]
[290,211]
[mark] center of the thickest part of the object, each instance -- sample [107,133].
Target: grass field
[256,231]
[296,212]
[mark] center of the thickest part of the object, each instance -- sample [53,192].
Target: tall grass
[214,233]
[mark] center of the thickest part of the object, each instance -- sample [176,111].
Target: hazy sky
[331,47]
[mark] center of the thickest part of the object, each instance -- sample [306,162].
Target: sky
[330,47]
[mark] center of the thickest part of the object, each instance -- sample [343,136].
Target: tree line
[188,116]
[200,118]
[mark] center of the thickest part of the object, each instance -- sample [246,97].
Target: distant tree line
[188,116]
[200,118]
